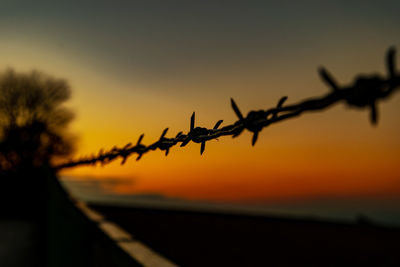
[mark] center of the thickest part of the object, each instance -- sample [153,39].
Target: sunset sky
[141,66]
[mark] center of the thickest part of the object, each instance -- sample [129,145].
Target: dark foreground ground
[192,238]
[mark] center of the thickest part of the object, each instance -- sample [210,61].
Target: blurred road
[18,243]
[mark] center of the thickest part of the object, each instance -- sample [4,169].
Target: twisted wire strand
[365,92]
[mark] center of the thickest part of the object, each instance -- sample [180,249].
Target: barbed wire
[365,92]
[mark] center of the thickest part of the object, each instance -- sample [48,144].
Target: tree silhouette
[33,121]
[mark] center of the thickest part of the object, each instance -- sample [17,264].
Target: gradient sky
[137,67]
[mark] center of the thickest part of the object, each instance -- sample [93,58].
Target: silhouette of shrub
[33,120]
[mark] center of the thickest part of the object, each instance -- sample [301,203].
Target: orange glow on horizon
[333,152]
[231,170]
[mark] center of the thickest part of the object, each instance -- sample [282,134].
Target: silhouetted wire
[363,93]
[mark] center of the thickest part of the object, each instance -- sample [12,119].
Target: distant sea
[376,210]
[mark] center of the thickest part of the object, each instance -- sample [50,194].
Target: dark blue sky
[163,38]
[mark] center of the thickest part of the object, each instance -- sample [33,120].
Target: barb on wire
[365,92]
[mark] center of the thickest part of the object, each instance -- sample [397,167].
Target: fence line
[363,93]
